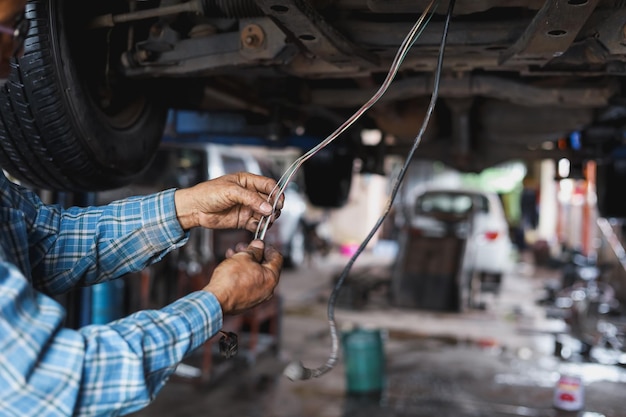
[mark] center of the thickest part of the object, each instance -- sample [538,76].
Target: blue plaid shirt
[99,370]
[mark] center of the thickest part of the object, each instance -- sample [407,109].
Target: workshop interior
[453,172]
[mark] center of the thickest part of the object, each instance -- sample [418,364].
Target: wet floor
[494,362]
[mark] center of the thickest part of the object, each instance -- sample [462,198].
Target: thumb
[255,249]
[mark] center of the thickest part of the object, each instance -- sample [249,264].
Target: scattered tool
[229,346]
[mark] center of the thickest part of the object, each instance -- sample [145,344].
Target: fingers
[265,222]
[272,259]
[255,192]
[247,278]
[261,253]
[262,187]
[256,249]
[258,183]
[280,203]
[238,200]
[259,208]
[252,199]
[239,247]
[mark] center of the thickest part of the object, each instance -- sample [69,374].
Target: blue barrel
[364,361]
[107,301]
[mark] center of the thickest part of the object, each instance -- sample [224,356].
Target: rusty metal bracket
[550,33]
[310,30]
[258,39]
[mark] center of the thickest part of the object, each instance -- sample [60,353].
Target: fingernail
[257,243]
[266,207]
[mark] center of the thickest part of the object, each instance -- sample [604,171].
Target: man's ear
[9,9]
[6,51]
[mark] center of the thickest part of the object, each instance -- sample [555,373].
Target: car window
[451,203]
[233,164]
[481,204]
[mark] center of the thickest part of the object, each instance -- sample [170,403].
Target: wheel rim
[96,53]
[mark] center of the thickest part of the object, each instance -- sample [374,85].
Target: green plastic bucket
[364,361]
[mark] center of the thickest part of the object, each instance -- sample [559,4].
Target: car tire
[62,127]
[328,177]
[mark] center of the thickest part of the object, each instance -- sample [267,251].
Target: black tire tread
[31,107]
[41,143]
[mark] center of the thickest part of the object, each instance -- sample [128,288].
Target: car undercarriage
[518,75]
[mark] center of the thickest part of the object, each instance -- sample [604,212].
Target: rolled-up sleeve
[129,361]
[99,370]
[84,246]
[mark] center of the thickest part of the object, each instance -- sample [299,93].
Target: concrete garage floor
[493,362]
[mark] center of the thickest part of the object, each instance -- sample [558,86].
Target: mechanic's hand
[234,201]
[247,278]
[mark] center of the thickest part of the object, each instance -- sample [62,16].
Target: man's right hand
[246,278]
[232,201]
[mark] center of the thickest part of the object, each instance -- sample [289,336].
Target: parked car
[478,218]
[85,107]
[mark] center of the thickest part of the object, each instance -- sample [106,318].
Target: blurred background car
[477,220]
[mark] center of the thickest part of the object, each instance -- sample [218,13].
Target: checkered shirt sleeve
[98,370]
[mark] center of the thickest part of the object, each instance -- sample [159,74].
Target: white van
[463,237]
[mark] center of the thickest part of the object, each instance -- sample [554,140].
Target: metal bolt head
[252,36]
